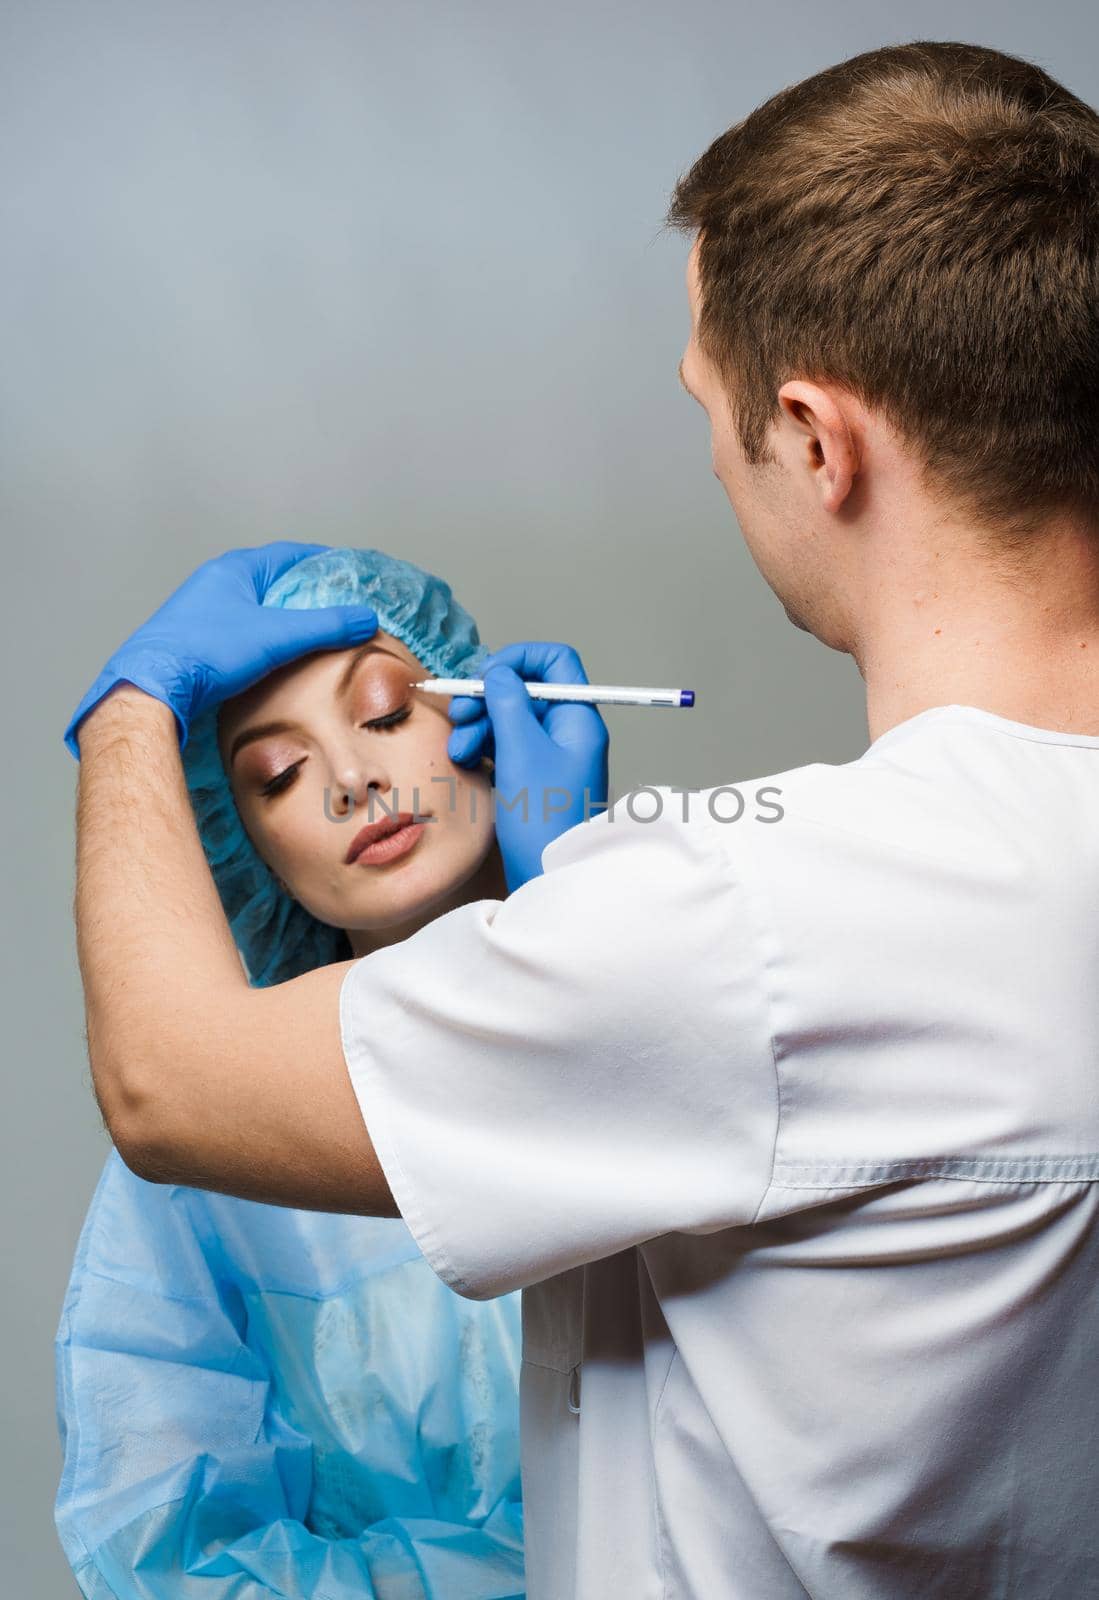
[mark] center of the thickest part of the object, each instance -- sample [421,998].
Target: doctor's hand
[550,756]
[213,637]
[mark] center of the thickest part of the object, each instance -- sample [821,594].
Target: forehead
[381,648]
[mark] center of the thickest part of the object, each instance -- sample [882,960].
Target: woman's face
[319,749]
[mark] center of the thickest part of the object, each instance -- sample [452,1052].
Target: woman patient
[258,1401]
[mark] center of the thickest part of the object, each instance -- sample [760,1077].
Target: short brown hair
[919,223]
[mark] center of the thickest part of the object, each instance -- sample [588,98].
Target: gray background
[367,274]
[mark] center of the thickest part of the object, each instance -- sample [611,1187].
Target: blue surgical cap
[278,938]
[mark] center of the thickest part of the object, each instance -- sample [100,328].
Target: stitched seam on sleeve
[750,895]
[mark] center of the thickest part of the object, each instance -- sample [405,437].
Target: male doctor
[788,1130]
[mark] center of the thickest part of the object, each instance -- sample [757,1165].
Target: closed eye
[282,780]
[391,720]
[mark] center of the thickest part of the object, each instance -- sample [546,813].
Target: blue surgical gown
[255,1401]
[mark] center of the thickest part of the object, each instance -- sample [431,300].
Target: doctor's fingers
[540,660]
[533,660]
[570,725]
[469,708]
[506,706]
[469,744]
[473,736]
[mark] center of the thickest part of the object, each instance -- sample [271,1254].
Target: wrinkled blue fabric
[255,1401]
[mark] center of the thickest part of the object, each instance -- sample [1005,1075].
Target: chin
[417,896]
[402,903]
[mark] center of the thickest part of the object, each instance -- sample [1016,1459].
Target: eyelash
[282,780]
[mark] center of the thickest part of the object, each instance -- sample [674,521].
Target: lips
[379,830]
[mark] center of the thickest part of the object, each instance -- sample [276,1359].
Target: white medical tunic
[788,1128]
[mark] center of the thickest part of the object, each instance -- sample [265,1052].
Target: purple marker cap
[686,697]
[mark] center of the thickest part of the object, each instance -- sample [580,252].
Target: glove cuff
[106,681]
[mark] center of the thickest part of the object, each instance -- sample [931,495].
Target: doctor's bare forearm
[202,1080]
[154,947]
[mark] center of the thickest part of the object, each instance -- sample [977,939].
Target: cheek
[430,753]
[465,799]
[279,840]
[726,467]
[466,796]
[728,463]
[422,754]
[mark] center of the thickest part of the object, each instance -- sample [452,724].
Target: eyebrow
[263,730]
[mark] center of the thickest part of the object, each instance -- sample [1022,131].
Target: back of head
[919,223]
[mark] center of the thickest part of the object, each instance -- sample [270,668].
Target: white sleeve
[553,1077]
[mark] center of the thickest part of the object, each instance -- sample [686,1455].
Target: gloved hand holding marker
[554,748]
[551,766]
[551,743]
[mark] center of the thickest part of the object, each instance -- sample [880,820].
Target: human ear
[818,415]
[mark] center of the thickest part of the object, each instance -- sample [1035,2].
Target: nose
[356,777]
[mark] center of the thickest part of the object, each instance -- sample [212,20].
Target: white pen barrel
[585,693]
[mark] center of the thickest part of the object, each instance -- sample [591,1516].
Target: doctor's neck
[937,605]
[942,619]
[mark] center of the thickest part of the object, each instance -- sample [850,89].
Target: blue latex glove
[557,751]
[213,637]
